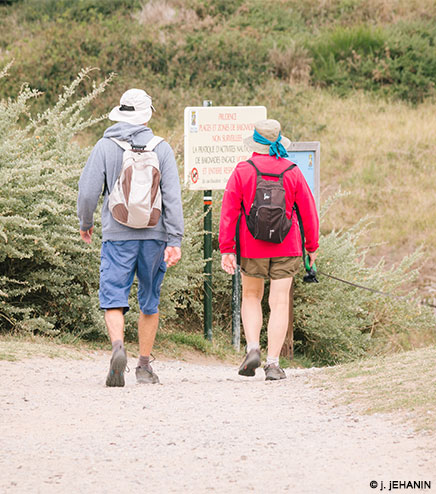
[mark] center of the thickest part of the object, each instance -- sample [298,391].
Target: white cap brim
[132,117]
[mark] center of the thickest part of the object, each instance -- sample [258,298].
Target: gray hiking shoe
[118,365]
[250,364]
[146,376]
[274,373]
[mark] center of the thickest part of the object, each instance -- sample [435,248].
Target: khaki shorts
[274,268]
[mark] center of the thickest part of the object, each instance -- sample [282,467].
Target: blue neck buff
[276,148]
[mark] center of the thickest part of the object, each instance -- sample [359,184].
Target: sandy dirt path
[204,429]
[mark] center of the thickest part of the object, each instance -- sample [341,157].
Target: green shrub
[47,276]
[196,341]
[399,61]
[79,10]
[280,19]
[213,60]
[409,65]
[205,8]
[341,56]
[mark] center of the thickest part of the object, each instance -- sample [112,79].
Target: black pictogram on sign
[194,175]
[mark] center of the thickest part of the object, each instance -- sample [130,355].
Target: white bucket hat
[135,108]
[269,129]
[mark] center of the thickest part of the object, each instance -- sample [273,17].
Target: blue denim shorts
[120,261]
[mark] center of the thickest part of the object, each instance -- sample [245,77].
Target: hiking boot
[250,364]
[146,375]
[118,365]
[274,372]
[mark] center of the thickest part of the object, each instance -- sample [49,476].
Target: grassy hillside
[357,75]
[409,377]
[382,47]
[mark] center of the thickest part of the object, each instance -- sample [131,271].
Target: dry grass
[384,155]
[174,346]
[15,348]
[293,64]
[394,10]
[403,385]
[165,13]
[383,11]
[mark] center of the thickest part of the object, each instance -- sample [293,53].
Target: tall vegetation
[49,278]
[336,322]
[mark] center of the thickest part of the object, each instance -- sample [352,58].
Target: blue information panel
[306,163]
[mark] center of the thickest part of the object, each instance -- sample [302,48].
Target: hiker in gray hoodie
[127,251]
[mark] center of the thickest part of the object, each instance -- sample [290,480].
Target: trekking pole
[236,309]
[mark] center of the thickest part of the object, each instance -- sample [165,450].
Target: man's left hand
[312,257]
[87,235]
[172,256]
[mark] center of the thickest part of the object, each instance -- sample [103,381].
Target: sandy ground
[204,429]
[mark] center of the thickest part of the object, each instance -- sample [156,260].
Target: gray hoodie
[104,166]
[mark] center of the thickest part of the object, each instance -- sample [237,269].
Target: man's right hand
[86,235]
[172,256]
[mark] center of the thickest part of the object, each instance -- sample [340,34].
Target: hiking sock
[252,346]
[144,362]
[272,361]
[117,344]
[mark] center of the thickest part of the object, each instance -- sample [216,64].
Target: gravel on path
[203,429]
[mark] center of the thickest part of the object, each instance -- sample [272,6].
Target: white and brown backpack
[136,200]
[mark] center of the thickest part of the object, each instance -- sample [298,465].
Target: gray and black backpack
[267,218]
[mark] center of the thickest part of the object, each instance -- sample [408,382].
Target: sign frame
[315,147]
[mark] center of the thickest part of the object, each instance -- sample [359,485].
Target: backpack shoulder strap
[284,171]
[153,142]
[123,144]
[255,167]
[289,168]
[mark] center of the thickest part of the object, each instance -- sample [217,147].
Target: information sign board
[214,142]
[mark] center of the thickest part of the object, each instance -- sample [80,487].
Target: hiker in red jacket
[261,259]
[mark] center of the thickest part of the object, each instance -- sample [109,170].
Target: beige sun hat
[135,108]
[270,129]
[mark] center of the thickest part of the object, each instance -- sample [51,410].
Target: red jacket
[241,187]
